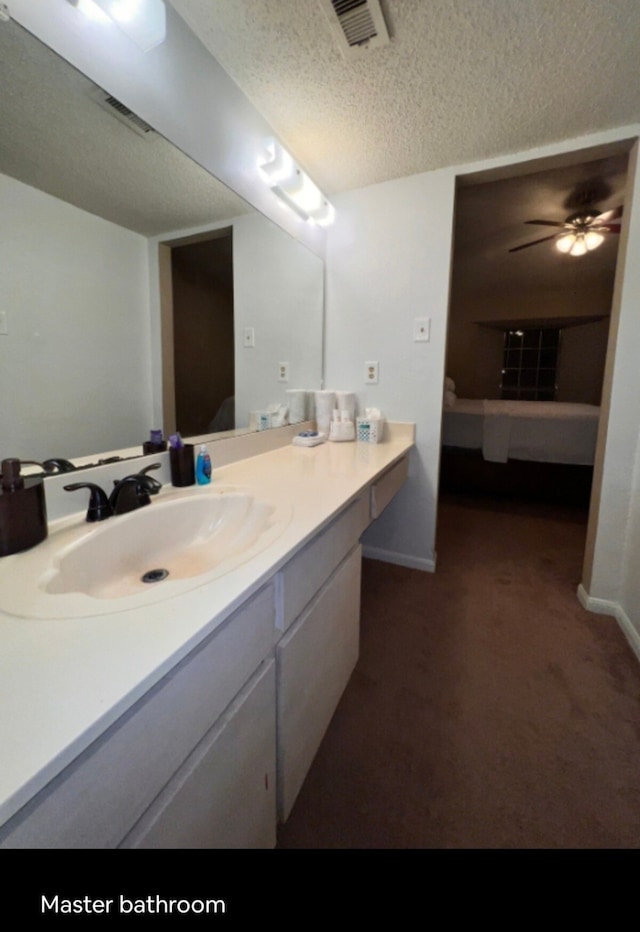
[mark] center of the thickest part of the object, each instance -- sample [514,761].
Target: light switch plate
[249,337]
[371,373]
[4,323]
[421,330]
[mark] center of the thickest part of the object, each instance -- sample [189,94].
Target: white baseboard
[598,606]
[400,559]
[609,607]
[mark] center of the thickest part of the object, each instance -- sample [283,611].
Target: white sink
[178,542]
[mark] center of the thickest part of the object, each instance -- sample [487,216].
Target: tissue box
[263,420]
[369,429]
[342,430]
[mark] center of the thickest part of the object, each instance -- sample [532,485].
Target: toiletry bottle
[203,466]
[155,444]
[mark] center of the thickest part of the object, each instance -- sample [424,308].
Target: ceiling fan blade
[533,243]
[608,227]
[614,214]
[547,223]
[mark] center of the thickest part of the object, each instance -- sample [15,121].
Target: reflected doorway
[199,317]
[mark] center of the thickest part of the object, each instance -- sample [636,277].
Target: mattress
[541,431]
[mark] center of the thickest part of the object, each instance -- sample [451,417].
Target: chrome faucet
[129,493]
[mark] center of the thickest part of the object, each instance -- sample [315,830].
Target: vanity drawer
[305,574]
[384,488]
[97,799]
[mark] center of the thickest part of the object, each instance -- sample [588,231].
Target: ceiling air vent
[358,25]
[122,113]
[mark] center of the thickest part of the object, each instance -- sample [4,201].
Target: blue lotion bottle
[203,466]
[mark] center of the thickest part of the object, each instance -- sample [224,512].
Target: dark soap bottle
[23,509]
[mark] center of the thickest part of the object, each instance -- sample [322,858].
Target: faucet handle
[99,507]
[152,485]
[130,493]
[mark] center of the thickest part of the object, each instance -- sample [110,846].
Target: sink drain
[154,575]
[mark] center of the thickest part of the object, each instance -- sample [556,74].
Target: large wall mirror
[120,257]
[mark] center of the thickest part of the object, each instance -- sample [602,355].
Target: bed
[536,431]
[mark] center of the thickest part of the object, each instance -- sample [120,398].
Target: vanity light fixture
[143,21]
[294,187]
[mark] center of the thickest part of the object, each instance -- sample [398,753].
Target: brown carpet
[488,709]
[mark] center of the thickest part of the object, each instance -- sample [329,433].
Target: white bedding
[542,431]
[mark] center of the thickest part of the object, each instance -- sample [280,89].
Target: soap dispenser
[203,466]
[23,510]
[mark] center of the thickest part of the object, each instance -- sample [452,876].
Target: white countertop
[64,681]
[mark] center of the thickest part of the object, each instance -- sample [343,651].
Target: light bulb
[91,10]
[593,239]
[280,166]
[305,194]
[565,242]
[293,186]
[325,215]
[579,247]
[143,21]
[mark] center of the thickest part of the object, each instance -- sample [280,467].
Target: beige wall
[474,352]
[582,358]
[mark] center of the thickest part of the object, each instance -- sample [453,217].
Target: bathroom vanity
[192,721]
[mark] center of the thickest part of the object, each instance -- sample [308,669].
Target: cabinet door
[315,659]
[224,795]
[96,800]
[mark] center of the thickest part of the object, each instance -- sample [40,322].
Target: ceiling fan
[580,232]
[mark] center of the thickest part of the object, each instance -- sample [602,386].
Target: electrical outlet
[371,373]
[421,329]
[283,372]
[249,337]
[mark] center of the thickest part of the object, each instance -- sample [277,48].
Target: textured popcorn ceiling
[461,80]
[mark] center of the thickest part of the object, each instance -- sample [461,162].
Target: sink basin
[177,543]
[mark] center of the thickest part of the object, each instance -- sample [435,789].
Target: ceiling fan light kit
[577,244]
[581,232]
[572,243]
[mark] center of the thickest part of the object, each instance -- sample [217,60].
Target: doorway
[507,279]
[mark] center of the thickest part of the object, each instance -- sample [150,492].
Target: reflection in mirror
[110,236]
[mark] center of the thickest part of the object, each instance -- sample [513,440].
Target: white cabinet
[96,800]
[305,574]
[315,660]
[319,591]
[386,486]
[217,751]
[223,796]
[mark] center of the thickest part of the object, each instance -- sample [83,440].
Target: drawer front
[305,574]
[96,800]
[384,488]
[314,661]
[224,795]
